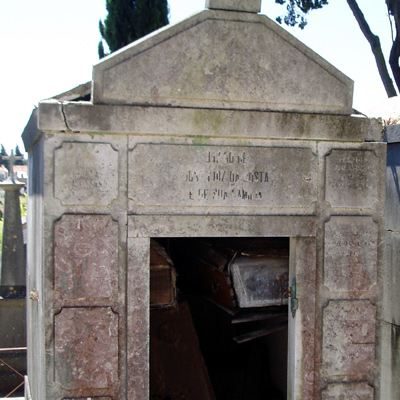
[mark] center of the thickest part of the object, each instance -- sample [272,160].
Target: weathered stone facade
[221,126]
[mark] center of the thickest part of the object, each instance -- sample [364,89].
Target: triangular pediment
[223,59]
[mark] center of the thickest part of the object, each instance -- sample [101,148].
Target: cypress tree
[17,152]
[129,20]
[3,153]
[150,15]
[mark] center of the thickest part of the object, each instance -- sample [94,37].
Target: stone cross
[11,162]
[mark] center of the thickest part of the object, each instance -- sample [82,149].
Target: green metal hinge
[294,302]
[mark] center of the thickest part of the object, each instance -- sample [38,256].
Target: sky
[49,46]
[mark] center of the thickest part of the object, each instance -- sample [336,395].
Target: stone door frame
[303,265]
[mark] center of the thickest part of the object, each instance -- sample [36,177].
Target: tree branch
[394,10]
[376,48]
[390,21]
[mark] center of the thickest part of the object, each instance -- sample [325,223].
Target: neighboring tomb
[222,126]
[390,326]
[12,288]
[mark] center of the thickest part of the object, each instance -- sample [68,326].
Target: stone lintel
[85,117]
[253,6]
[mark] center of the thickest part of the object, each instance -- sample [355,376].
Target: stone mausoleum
[223,126]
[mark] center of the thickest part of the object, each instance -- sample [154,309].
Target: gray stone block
[392,201]
[390,362]
[392,133]
[208,61]
[391,279]
[258,180]
[235,5]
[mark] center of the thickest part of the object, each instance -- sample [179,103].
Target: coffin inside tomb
[229,319]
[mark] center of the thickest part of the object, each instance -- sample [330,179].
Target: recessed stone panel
[86,174]
[351,391]
[351,178]
[350,263]
[86,348]
[348,343]
[86,258]
[168,176]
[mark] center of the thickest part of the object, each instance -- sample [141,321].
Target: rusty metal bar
[15,389]
[8,350]
[10,367]
[12,349]
[258,333]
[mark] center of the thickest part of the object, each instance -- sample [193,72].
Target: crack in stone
[65,117]
[390,323]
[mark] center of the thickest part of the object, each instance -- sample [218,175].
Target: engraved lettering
[350,178]
[226,157]
[210,175]
[231,171]
[84,180]
[192,176]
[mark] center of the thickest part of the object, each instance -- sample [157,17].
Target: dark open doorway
[218,318]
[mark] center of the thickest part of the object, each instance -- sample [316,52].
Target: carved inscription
[223,172]
[348,349]
[86,348]
[85,258]
[86,174]
[350,391]
[351,178]
[351,245]
[184,175]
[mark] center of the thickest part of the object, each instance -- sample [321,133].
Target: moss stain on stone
[208,121]
[200,140]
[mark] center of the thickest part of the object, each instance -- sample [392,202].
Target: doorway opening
[219,318]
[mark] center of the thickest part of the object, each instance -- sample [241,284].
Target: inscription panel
[86,348]
[348,343]
[86,174]
[351,178]
[350,262]
[85,258]
[351,391]
[168,175]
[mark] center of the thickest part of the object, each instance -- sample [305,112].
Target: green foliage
[297,10]
[3,153]
[129,20]
[118,29]
[17,153]
[151,15]
[23,204]
[100,50]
